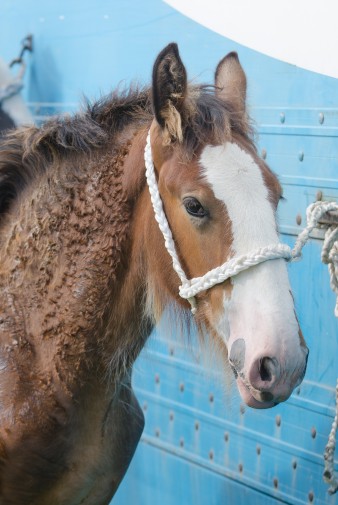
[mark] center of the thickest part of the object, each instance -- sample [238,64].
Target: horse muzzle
[266,383]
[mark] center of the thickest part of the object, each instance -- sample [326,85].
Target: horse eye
[194,207]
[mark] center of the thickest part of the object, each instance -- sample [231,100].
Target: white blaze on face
[261,307]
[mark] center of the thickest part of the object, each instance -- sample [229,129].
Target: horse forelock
[211,120]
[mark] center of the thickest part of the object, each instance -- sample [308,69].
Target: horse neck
[73,245]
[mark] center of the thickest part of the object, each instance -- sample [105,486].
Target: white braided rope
[191,287]
[233,267]
[158,210]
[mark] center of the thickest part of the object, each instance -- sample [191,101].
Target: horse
[85,273]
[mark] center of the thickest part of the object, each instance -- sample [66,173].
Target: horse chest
[105,443]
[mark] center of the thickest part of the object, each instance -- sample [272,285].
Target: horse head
[220,200]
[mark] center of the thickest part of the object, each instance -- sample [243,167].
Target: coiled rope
[191,287]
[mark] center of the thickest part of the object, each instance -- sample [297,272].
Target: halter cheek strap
[191,287]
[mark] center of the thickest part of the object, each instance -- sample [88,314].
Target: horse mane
[28,152]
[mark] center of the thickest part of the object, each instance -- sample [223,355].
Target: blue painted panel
[200,445]
[193,483]
[86,47]
[207,485]
[189,416]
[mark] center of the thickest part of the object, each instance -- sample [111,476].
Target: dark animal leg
[127,423]
[122,430]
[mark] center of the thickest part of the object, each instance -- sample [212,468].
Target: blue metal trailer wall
[201,446]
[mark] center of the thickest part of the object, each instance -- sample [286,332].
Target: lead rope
[190,287]
[330,257]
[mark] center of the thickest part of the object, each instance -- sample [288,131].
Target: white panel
[301,32]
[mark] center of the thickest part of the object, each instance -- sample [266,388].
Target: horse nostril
[264,373]
[266,369]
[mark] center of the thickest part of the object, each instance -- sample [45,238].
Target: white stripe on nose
[260,302]
[237,181]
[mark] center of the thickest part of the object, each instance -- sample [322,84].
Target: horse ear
[169,91]
[230,82]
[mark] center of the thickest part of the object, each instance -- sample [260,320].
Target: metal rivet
[319,195]
[299,219]
[294,465]
[226,437]
[211,398]
[157,432]
[211,454]
[264,154]
[240,468]
[145,406]
[258,450]
[171,416]
[197,425]
[282,117]
[242,409]
[311,496]
[321,117]
[300,155]
[313,432]
[181,386]
[278,420]
[157,378]
[181,442]
[275,483]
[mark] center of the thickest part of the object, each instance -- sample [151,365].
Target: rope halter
[191,287]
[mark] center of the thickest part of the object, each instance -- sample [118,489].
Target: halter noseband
[191,287]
